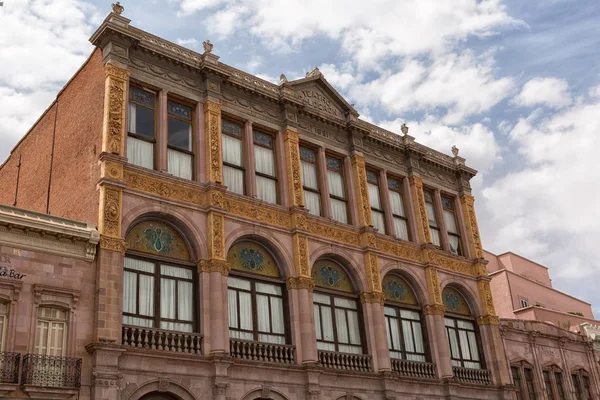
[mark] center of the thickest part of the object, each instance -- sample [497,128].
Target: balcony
[51,372]
[470,375]
[9,367]
[345,361]
[265,352]
[414,369]
[157,339]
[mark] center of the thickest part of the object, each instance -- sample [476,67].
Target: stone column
[115,104]
[163,133]
[421,221]
[248,159]
[363,206]
[473,239]
[294,174]
[373,304]
[439,212]
[434,316]
[214,155]
[323,183]
[106,378]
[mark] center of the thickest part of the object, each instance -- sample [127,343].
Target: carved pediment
[318,95]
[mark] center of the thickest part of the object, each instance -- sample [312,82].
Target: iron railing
[471,375]
[51,371]
[259,351]
[416,369]
[158,339]
[345,361]
[9,367]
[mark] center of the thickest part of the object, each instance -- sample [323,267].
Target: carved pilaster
[433,286]
[362,191]
[485,296]
[300,282]
[111,199]
[111,170]
[421,221]
[301,257]
[433,309]
[372,270]
[212,265]
[372,297]
[113,130]
[214,160]
[113,244]
[468,209]
[216,235]
[292,159]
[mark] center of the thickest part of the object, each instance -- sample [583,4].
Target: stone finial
[117,8]
[315,72]
[404,129]
[208,46]
[282,79]
[455,151]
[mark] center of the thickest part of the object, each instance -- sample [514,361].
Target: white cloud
[189,42]
[550,92]
[595,92]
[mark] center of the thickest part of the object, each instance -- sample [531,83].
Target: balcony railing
[158,339]
[416,369]
[51,371]
[345,361]
[470,375]
[9,367]
[258,351]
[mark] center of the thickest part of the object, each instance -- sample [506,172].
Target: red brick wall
[77,145]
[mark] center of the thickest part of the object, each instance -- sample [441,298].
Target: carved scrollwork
[213,265]
[163,188]
[216,229]
[372,265]
[372,297]
[212,112]
[301,256]
[111,212]
[334,233]
[358,163]
[468,204]
[300,282]
[433,309]
[416,185]
[113,244]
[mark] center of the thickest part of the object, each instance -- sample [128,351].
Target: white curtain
[450,221]
[167,301]
[453,242]
[309,175]
[312,201]
[146,292]
[179,163]
[262,309]
[397,204]
[435,236]
[431,214]
[342,328]
[336,184]
[400,228]
[264,161]
[132,117]
[129,292]
[234,179]
[266,189]
[378,221]
[338,211]
[278,321]
[374,196]
[232,308]
[140,152]
[232,150]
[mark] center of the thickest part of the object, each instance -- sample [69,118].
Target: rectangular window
[179,141]
[337,324]
[530,384]
[432,217]
[462,339]
[310,180]
[337,189]
[397,207]
[51,332]
[576,384]
[142,127]
[559,385]
[405,334]
[233,162]
[454,241]
[4,308]
[586,387]
[548,385]
[524,303]
[375,200]
[517,381]
[265,166]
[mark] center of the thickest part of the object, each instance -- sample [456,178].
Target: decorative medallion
[157,237]
[397,289]
[454,302]
[331,275]
[252,257]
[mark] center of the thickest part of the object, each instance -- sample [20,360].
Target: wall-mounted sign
[6,272]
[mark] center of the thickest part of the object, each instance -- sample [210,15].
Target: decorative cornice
[34,231]
[213,265]
[372,297]
[300,282]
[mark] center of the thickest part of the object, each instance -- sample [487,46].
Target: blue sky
[515,84]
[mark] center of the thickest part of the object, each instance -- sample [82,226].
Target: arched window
[256,299]
[522,374]
[553,383]
[4,307]
[581,383]
[159,279]
[463,336]
[403,320]
[336,307]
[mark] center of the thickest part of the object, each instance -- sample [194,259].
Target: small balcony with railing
[345,361]
[472,375]
[9,368]
[162,340]
[262,352]
[414,369]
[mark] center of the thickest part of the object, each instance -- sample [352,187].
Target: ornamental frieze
[314,98]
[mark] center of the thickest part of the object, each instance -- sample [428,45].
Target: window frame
[157,261]
[191,153]
[332,294]
[518,385]
[401,192]
[156,111]
[443,196]
[581,383]
[242,139]
[380,210]
[400,306]
[317,165]
[526,376]
[50,321]
[456,318]
[437,228]
[523,302]
[342,172]
[253,279]
[273,148]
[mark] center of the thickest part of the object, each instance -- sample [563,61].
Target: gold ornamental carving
[450,263]
[258,213]
[372,270]
[433,286]
[372,298]
[163,188]
[214,161]
[485,296]
[113,136]
[112,170]
[301,256]
[433,309]
[300,282]
[294,173]
[416,187]
[216,235]
[468,205]
[216,198]
[368,239]
[214,265]
[400,250]
[113,244]
[299,221]
[488,320]
[110,211]
[362,195]
[334,233]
